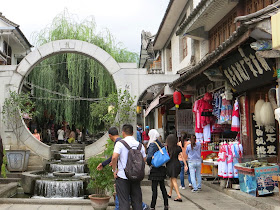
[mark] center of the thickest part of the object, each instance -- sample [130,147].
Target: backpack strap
[125,144]
[128,147]
[139,146]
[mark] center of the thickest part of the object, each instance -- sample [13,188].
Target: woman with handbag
[173,167]
[157,175]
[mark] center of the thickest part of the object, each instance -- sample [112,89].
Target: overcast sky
[124,18]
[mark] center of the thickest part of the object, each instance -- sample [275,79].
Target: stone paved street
[208,199]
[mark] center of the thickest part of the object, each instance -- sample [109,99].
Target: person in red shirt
[145,137]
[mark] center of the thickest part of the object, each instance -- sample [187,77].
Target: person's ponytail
[193,141]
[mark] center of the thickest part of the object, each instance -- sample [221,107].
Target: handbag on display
[160,157]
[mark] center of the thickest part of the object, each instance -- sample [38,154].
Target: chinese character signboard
[245,69]
[265,139]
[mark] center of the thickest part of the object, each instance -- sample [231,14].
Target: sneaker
[190,185]
[199,189]
[182,188]
[194,191]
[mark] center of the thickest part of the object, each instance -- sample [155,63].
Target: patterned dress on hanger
[230,162]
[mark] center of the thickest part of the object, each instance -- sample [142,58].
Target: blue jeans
[195,171]
[182,173]
[182,178]
[189,176]
[117,204]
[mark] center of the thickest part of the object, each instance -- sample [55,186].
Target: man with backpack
[131,158]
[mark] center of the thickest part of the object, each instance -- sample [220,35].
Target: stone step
[7,190]
[35,168]
[14,175]
[9,180]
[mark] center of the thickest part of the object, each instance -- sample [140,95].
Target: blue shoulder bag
[160,157]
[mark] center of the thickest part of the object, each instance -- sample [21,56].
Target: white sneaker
[194,191]
[180,187]
[190,185]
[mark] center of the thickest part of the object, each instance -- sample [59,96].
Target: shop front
[233,118]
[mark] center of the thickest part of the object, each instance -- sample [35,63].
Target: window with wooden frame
[222,31]
[8,52]
[184,47]
[252,6]
[159,118]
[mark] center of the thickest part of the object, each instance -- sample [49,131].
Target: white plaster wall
[204,48]
[3,24]
[156,118]
[177,51]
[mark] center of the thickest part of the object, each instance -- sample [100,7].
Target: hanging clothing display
[235,125]
[229,155]
[199,137]
[230,161]
[226,111]
[222,161]
[206,110]
[197,112]
[207,133]
[217,103]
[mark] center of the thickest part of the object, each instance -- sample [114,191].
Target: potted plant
[101,182]
[13,110]
[3,167]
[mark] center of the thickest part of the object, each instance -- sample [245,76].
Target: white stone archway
[126,76]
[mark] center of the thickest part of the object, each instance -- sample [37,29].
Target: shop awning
[152,105]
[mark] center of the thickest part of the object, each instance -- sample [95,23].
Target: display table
[207,169]
[214,166]
[258,181]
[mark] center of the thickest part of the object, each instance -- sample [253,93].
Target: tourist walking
[60,134]
[183,143]
[194,159]
[139,135]
[173,166]
[145,137]
[157,175]
[114,136]
[36,134]
[126,188]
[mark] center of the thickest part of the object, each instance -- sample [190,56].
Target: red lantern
[187,97]
[177,98]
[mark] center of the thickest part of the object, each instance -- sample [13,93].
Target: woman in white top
[60,134]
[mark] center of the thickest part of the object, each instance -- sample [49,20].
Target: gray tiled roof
[190,17]
[8,21]
[246,22]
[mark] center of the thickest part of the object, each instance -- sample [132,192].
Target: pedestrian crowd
[127,162]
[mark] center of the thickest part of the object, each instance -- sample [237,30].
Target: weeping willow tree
[60,78]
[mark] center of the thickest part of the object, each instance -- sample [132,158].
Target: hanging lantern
[110,108]
[138,109]
[177,99]
[162,110]
[187,97]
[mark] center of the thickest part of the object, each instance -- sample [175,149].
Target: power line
[53,64]
[68,97]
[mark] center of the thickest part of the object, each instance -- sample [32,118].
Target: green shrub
[100,180]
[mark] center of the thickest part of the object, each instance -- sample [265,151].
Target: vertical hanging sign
[265,139]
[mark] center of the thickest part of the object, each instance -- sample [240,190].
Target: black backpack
[135,166]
